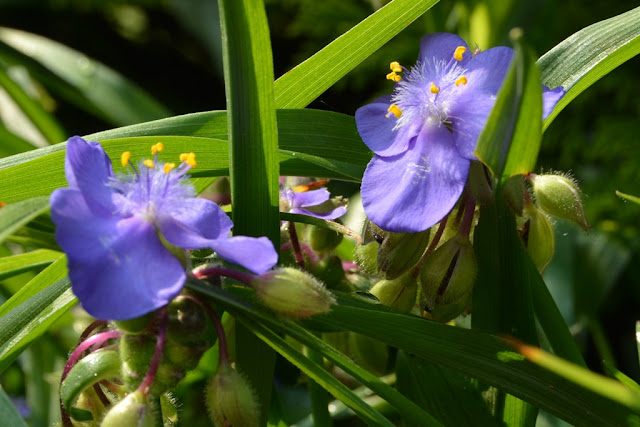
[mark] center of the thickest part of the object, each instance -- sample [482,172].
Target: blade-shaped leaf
[16,264]
[16,215]
[253,154]
[588,55]
[10,414]
[298,87]
[322,138]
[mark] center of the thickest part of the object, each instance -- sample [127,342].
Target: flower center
[147,189]
[425,94]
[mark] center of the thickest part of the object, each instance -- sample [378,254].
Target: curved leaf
[588,55]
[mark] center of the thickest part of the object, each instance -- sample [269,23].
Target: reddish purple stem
[147,382]
[203,273]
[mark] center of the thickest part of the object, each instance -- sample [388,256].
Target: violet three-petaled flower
[112,229]
[425,133]
[304,203]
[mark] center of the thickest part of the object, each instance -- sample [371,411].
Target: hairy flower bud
[187,322]
[135,325]
[292,292]
[133,410]
[231,400]
[398,293]
[136,352]
[401,251]
[538,237]
[366,257]
[322,239]
[448,274]
[559,196]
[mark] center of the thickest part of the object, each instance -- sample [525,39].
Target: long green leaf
[298,87]
[318,374]
[16,215]
[16,264]
[253,155]
[308,138]
[588,55]
[10,415]
[31,319]
[83,81]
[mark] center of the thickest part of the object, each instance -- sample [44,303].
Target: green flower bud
[366,256]
[292,292]
[330,271]
[448,274]
[559,196]
[185,357]
[443,313]
[133,410]
[398,293]
[135,326]
[481,183]
[401,251]
[187,322]
[372,233]
[136,352]
[231,400]
[322,239]
[539,237]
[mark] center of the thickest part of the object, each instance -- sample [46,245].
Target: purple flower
[313,203]
[425,133]
[115,229]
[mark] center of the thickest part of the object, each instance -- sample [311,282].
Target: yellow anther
[458,53]
[462,80]
[393,109]
[393,76]
[156,148]
[433,88]
[395,67]
[149,163]
[124,158]
[189,158]
[168,167]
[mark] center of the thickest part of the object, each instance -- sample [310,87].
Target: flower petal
[486,71]
[118,268]
[468,118]
[413,191]
[254,253]
[330,215]
[550,98]
[88,168]
[441,46]
[376,129]
[310,198]
[194,223]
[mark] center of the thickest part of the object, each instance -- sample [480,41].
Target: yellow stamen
[310,186]
[433,88]
[124,158]
[395,67]
[156,148]
[393,76]
[168,167]
[458,53]
[189,158]
[149,163]
[393,109]
[462,80]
